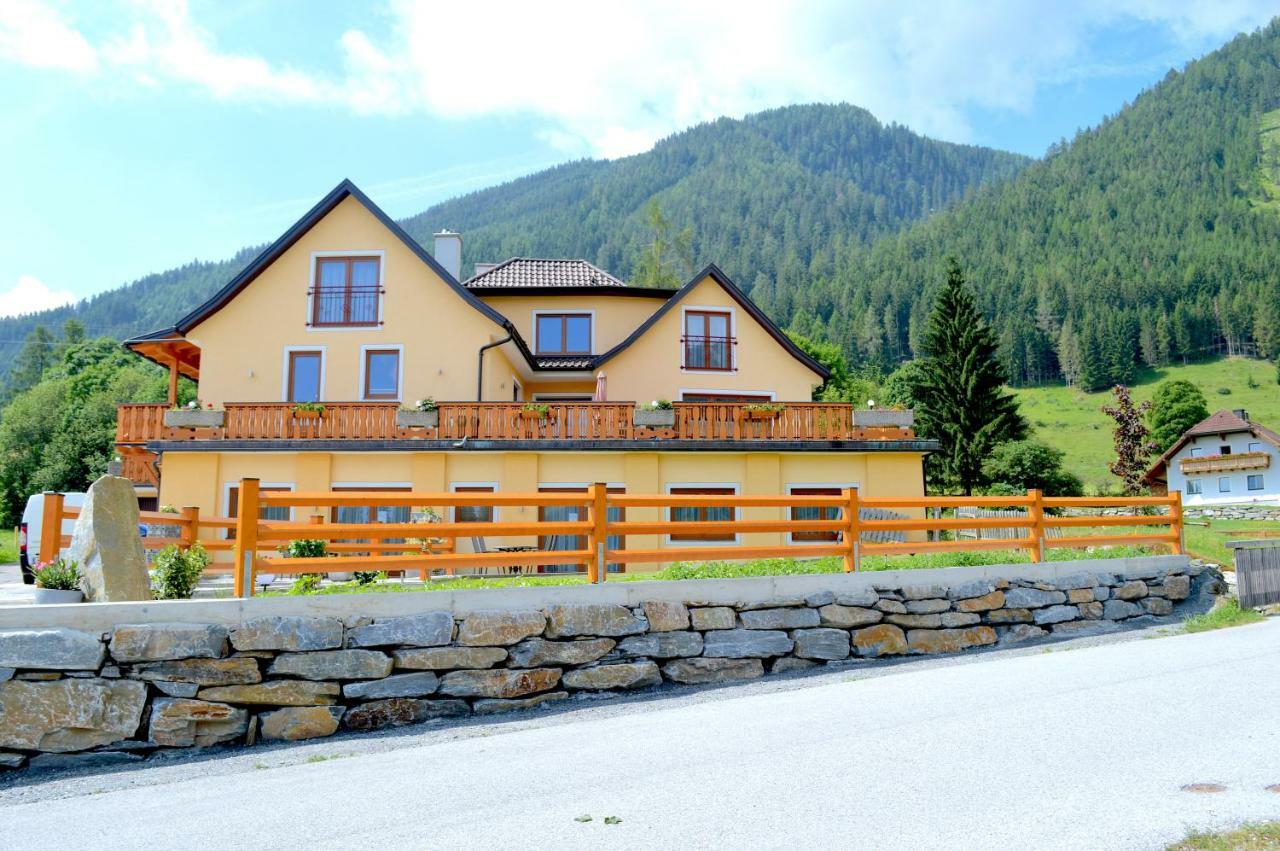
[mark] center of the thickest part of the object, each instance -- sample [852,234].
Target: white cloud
[30,295]
[609,79]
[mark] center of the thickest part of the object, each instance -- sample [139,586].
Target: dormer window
[562,333]
[346,292]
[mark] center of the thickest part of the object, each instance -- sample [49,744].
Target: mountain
[1149,240]
[771,196]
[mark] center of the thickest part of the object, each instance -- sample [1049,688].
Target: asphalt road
[1078,748]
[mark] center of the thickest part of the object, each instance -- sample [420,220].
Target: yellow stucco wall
[243,345]
[202,478]
[651,367]
[615,316]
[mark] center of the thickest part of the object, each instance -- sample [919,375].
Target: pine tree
[1069,353]
[959,387]
[36,356]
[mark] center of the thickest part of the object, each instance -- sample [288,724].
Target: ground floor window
[1194,486]
[266,512]
[371,513]
[1224,484]
[569,514]
[726,398]
[702,513]
[1255,483]
[814,513]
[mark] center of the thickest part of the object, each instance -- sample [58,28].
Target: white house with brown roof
[1225,459]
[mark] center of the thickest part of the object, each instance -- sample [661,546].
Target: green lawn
[8,546]
[1209,542]
[1251,837]
[1226,612]
[1072,421]
[730,570]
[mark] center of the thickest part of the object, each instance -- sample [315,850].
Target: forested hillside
[772,195]
[1151,239]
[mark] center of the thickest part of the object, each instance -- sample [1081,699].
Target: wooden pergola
[172,351]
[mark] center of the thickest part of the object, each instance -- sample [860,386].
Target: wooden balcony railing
[138,424]
[1226,463]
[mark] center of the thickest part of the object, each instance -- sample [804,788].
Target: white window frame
[537,346]
[1224,480]
[453,488]
[1198,488]
[577,397]
[1255,446]
[790,488]
[284,369]
[1197,451]
[316,256]
[226,498]
[364,361]
[725,391]
[1248,482]
[733,335]
[737,514]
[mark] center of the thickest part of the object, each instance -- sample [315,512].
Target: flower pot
[308,415]
[762,415]
[193,418]
[56,596]
[418,419]
[534,415]
[655,417]
[884,419]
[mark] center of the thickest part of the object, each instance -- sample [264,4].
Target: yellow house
[541,373]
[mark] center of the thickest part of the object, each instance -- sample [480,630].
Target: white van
[29,531]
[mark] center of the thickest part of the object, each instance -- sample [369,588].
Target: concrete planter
[660,418]
[417,419]
[56,597]
[194,418]
[884,419]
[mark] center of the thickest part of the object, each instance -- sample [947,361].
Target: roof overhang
[168,348]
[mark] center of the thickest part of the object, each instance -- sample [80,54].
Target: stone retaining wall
[1236,512]
[68,696]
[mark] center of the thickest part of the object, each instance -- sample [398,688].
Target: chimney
[1242,414]
[449,252]
[481,268]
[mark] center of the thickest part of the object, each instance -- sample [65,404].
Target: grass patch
[1224,614]
[1251,837]
[8,546]
[735,570]
[1210,542]
[1070,420]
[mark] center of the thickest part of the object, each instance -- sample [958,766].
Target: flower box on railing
[884,419]
[418,419]
[654,418]
[193,418]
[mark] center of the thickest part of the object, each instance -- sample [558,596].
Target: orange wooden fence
[188,521]
[591,534]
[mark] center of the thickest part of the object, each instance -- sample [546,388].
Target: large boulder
[535,652]
[69,715]
[398,711]
[51,649]
[499,683]
[184,723]
[157,642]
[570,621]
[295,723]
[627,675]
[107,544]
[288,633]
[429,629]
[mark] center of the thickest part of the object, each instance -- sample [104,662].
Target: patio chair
[479,545]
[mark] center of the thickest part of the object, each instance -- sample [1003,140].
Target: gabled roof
[737,295]
[345,189]
[1219,422]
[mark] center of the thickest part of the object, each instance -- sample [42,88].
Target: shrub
[305,548]
[58,575]
[176,572]
[307,583]
[1020,465]
[1224,391]
[368,577]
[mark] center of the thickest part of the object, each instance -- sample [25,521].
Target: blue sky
[141,135]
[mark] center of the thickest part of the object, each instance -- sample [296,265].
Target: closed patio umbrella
[601,395]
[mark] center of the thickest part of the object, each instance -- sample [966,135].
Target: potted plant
[308,411]
[659,413]
[534,411]
[423,414]
[881,418]
[763,410]
[58,581]
[194,416]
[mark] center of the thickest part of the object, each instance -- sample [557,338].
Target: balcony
[137,425]
[1225,463]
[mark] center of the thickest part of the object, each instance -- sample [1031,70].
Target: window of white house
[1196,451]
[1224,450]
[1195,486]
[1254,446]
[1224,484]
[1255,483]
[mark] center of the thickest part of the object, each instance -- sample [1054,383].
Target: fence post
[853,533]
[1175,512]
[1035,513]
[51,527]
[599,538]
[190,525]
[246,537]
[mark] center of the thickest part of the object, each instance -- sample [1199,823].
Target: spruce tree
[959,388]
